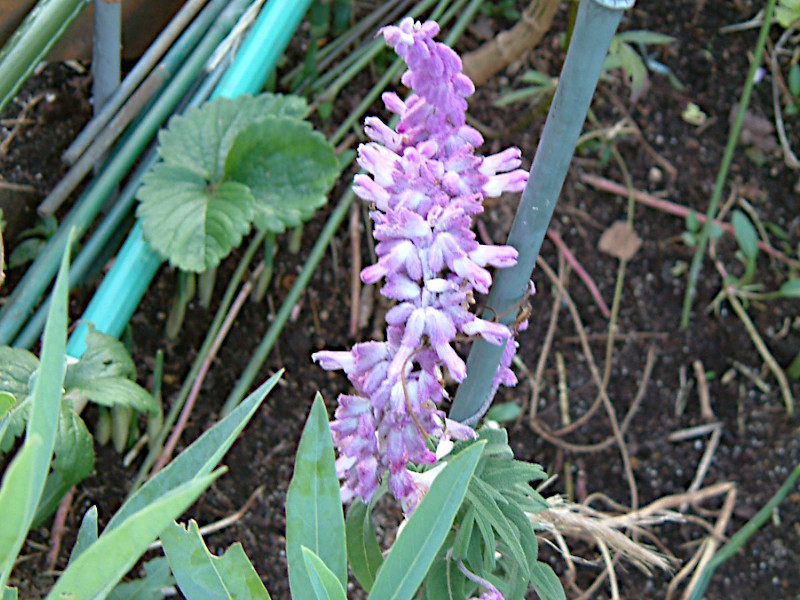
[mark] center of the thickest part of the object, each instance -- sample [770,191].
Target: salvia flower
[425,184]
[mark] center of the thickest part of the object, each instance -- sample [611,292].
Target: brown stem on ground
[58,529]
[672,208]
[702,391]
[183,419]
[510,45]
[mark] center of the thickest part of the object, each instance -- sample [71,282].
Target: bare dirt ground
[750,443]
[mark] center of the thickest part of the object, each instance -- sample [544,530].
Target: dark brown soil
[759,445]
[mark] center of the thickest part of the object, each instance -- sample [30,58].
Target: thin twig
[671,208]
[222,523]
[702,391]
[183,419]
[580,272]
[712,543]
[789,156]
[705,463]
[58,529]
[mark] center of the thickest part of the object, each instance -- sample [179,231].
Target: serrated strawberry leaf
[200,138]
[105,356]
[190,222]
[288,167]
[16,367]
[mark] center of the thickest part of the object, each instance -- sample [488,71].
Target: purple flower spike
[425,184]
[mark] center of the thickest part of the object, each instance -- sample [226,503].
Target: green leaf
[634,67]
[157,577]
[190,222]
[793,80]
[644,37]
[324,583]
[504,412]
[790,289]
[417,545]
[288,167]
[199,458]
[25,476]
[314,516]
[201,137]
[16,367]
[745,233]
[546,583]
[503,474]
[200,574]
[87,534]
[100,567]
[26,251]
[115,391]
[692,222]
[6,402]
[363,551]
[105,356]
[480,496]
[74,450]
[9,593]
[13,424]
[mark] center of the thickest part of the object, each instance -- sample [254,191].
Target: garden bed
[757,444]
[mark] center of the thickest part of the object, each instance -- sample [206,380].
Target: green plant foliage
[24,478]
[95,572]
[790,289]
[746,235]
[314,517]
[363,552]
[505,412]
[322,579]
[226,164]
[17,367]
[190,221]
[417,545]
[200,574]
[622,54]
[287,166]
[201,138]
[31,242]
[495,519]
[87,533]
[787,12]
[157,577]
[199,458]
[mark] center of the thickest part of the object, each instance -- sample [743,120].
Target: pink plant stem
[183,419]
[58,529]
[672,208]
[580,271]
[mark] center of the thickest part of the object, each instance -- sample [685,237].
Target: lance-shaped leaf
[416,547]
[200,574]
[190,221]
[314,516]
[363,551]
[323,581]
[157,577]
[287,166]
[199,458]
[24,479]
[99,568]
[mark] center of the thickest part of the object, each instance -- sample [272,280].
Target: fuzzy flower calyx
[425,184]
